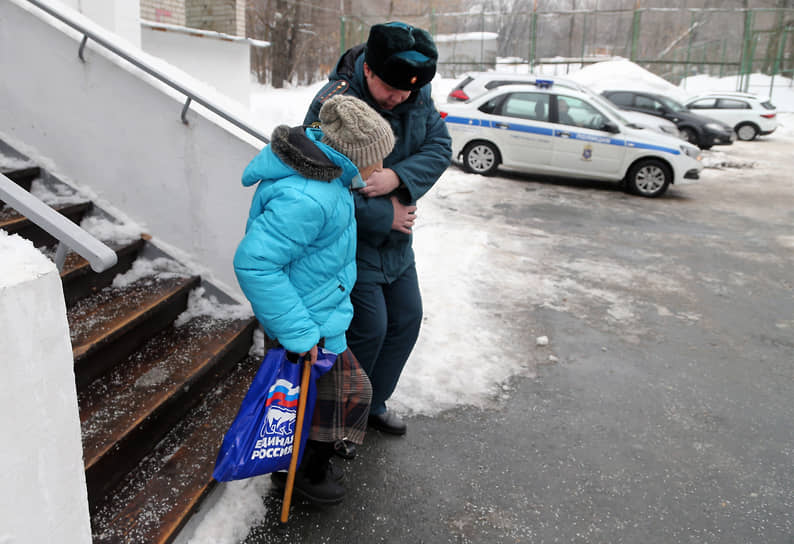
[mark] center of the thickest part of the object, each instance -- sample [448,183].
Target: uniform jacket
[296,262]
[422,151]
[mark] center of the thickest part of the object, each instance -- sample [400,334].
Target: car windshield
[606,104]
[672,104]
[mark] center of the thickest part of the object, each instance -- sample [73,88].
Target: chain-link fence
[672,43]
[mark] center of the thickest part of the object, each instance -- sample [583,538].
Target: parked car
[748,114]
[698,130]
[549,129]
[476,84]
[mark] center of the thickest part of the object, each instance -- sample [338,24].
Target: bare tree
[774,46]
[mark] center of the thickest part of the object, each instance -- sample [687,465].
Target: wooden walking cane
[296,444]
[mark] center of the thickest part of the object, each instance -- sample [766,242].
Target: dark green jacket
[422,151]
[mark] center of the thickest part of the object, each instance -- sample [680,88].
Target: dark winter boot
[315,478]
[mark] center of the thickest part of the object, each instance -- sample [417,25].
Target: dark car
[699,130]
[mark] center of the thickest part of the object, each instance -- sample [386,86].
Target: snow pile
[719,159]
[55,195]
[622,74]
[160,268]
[238,507]
[199,304]
[272,107]
[13,163]
[109,231]
[21,260]
[466,36]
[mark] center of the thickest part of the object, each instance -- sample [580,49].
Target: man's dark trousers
[385,326]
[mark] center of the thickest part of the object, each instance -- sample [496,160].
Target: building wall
[223,63]
[217,15]
[226,16]
[113,129]
[117,16]
[171,12]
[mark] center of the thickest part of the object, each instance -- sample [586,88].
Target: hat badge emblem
[413,80]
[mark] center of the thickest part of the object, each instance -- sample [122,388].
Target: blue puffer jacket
[296,263]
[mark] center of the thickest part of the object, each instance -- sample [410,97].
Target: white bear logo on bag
[278,421]
[278,428]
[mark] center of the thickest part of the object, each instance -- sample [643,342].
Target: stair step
[153,503]
[80,281]
[15,223]
[125,413]
[23,177]
[108,326]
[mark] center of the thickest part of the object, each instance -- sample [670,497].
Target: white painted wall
[43,498]
[113,129]
[119,16]
[222,62]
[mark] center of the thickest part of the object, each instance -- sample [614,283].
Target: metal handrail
[68,234]
[151,71]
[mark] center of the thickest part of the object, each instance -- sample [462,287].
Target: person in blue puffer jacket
[296,265]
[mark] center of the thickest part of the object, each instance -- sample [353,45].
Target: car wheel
[649,178]
[746,131]
[481,158]
[690,136]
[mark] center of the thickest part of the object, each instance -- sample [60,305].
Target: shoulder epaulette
[340,86]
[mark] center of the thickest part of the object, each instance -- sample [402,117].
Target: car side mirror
[610,126]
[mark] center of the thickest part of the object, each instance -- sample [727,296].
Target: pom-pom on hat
[356,130]
[401,55]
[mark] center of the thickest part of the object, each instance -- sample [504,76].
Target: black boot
[314,479]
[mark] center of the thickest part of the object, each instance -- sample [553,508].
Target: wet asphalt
[672,424]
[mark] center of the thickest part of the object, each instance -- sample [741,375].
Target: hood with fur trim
[298,150]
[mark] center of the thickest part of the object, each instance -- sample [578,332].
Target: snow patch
[21,260]
[243,507]
[106,230]
[8,163]
[55,195]
[199,304]
[160,268]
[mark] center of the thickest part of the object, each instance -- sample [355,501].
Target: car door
[520,128]
[732,111]
[649,104]
[709,107]
[581,145]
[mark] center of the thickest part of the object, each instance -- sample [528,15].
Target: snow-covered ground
[455,258]
[452,257]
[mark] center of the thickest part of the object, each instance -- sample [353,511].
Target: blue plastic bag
[260,439]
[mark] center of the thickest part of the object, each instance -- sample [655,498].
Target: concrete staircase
[157,386]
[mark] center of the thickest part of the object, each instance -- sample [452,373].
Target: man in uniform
[392,73]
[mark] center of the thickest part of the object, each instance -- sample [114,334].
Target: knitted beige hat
[356,130]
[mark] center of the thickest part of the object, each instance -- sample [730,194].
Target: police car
[543,129]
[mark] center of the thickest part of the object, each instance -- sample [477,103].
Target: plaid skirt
[343,398]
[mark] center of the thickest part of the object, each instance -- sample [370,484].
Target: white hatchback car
[546,129]
[475,84]
[748,114]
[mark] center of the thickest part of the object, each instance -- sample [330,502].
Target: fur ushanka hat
[356,130]
[401,55]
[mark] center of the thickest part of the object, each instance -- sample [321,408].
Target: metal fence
[673,43]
